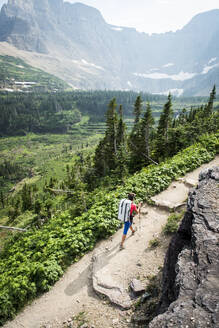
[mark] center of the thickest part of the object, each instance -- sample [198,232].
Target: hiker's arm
[138,207]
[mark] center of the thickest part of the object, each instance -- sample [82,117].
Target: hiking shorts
[127,225]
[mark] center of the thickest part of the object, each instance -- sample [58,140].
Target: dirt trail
[106,265]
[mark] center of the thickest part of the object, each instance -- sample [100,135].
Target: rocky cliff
[190,291]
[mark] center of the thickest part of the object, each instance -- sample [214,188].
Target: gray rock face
[104,284]
[190,294]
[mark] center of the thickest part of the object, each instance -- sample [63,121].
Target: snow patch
[153,69]
[174,92]
[129,84]
[168,65]
[86,63]
[25,83]
[117,28]
[182,76]
[206,69]
[8,90]
[212,60]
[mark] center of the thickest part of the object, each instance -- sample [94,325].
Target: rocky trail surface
[95,292]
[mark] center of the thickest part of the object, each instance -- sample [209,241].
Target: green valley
[66,161]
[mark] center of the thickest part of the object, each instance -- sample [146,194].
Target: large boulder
[190,291]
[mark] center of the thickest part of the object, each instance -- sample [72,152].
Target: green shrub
[153,243]
[172,223]
[32,262]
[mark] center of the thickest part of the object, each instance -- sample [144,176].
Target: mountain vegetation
[71,203]
[16,75]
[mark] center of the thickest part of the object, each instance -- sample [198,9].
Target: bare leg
[123,239]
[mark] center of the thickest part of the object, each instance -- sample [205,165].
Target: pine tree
[121,134]
[135,138]
[106,151]
[137,109]
[111,127]
[2,199]
[146,128]
[100,161]
[26,198]
[209,107]
[122,155]
[165,122]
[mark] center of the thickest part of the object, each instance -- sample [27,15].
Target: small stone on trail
[137,287]
[84,325]
[115,321]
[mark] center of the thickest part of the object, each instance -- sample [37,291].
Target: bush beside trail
[32,262]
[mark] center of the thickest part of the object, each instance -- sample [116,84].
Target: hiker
[128,224]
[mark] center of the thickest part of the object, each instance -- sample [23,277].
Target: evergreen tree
[111,127]
[146,129]
[135,138]
[106,151]
[209,107]
[137,109]
[122,155]
[100,158]
[26,198]
[121,134]
[2,199]
[165,122]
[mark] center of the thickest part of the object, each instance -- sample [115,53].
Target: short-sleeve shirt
[133,208]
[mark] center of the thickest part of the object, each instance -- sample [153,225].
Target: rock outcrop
[190,291]
[104,284]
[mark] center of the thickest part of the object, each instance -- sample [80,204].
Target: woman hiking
[128,224]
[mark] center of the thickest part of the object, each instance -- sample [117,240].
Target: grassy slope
[33,261]
[44,155]
[15,68]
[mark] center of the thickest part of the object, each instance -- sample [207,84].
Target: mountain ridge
[100,55]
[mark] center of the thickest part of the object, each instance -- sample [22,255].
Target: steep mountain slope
[74,294]
[94,54]
[16,75]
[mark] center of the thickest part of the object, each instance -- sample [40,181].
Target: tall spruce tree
[165,122]
[146,129]
[209,107]
[121,134]
[135,138]
[2,199]
[106,151]
[122,154]
[138,109]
